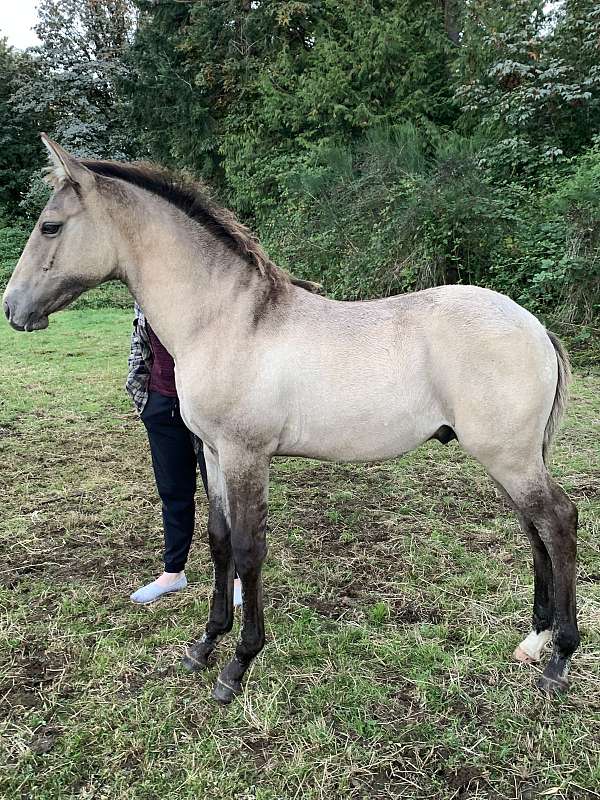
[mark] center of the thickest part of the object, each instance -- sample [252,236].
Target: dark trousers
[175,460]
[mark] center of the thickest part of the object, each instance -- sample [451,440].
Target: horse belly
[367,423]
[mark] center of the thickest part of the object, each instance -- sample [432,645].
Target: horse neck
[185,280]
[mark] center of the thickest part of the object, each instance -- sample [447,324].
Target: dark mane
[193,201]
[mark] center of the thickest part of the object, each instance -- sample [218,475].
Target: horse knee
[249,552]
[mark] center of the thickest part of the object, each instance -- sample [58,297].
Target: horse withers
[265,367]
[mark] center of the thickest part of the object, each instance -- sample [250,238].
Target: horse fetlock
[197,655]
[566,640]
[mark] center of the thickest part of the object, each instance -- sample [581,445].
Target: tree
[19,128]
[81,62]
[249,89]
[452,10]
[529,73]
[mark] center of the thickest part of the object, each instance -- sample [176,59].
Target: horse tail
[560,396]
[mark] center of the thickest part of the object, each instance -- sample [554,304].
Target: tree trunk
[451,19]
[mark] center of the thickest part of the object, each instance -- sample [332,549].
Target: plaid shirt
[139,362]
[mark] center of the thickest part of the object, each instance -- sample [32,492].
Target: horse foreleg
[220,618]
[247,501]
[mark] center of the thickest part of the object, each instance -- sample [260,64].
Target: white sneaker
[152,591]
[237,593]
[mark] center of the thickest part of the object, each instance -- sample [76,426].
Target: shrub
[12,241]
[401,211]
[405,210]
[550,262]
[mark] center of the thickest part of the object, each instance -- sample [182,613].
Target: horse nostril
[6,308]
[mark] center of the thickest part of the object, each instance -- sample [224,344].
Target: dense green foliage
[12,242]
[263,84]
[68,87]
[387,216]
[377,146]
[19,146]
[81,62]
[531,78]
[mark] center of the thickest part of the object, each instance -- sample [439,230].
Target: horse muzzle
[20,315]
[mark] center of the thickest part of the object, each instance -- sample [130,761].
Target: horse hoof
[193,664]
[224,693]
[523,656]
[552,686]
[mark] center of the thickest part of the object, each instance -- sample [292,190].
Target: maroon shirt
[162,374]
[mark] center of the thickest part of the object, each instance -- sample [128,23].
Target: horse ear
[66,166]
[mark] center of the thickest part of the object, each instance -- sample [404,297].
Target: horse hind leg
[555,519]
[530,649]
[549,519]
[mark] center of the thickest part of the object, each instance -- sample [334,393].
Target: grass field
[395,594]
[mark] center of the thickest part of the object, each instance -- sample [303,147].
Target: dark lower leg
[566,633]
[252,640]
[558,530]
[530,649]
[543,597]
[248,524]
[543,585]
[220,619]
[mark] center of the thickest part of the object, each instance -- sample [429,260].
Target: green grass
[395,594]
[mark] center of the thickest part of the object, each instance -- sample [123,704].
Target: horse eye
[51,227]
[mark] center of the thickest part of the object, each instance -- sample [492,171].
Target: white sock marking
[535,643]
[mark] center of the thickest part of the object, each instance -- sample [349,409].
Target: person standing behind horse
[176,454]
